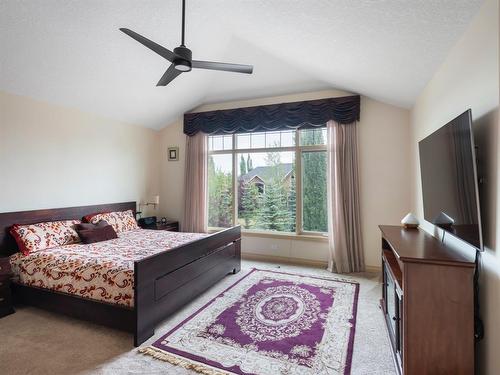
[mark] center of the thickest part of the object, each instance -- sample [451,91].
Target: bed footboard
[166,281]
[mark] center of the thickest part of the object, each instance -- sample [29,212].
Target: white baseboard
[374,269]
[286,260]
[297,261]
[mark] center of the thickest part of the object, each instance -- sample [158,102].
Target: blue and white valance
[283,116]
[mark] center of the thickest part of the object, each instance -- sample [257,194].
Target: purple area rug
[268,323]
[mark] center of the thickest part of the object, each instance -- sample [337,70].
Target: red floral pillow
[39,236]
[121,221]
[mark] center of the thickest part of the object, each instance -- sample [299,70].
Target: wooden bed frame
[162,282]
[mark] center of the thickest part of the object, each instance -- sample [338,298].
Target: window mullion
[235,190]
[207,197]
[298,185]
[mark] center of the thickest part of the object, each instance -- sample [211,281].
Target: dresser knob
[2,299]
[1,283]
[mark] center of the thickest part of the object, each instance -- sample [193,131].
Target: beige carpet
[33,341]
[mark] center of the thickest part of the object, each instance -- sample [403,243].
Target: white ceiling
[71,52]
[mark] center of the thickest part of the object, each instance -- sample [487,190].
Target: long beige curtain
[195,184]
[344,221]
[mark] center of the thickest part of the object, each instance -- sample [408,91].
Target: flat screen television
[449,180]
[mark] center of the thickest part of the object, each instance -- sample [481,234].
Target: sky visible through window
[225,164]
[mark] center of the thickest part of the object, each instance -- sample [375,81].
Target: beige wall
[172,172]
[385,187]
[468,78]
[52,156]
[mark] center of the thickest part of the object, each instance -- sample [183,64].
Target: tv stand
[428,303]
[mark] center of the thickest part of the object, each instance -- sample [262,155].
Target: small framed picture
[173,153]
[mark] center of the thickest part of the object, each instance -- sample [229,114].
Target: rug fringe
[314,276]
[181,362]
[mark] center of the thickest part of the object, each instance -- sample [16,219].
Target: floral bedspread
[102,271]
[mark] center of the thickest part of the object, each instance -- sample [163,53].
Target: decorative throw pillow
[90,226]
[39,236]
[97,234]
[121,221]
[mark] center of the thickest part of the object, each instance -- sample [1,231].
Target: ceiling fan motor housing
[183,59]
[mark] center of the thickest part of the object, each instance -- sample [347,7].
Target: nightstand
[6,307]
[172,226]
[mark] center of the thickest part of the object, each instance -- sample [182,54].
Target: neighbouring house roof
[266,173]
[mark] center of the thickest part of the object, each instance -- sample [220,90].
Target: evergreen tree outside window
[269,181]
[220,192]
[314,206]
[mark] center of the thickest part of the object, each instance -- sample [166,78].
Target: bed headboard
[8,245]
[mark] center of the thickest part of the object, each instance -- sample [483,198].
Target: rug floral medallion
[268,323]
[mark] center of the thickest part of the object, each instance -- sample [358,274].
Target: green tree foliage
[314,206]
[249,198]
[273,213]
[219,196]
[249,163]
[250,201]
[292,201]
[243,165]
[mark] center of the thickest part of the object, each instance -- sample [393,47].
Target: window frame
[298,150]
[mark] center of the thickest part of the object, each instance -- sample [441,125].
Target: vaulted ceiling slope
[71,52]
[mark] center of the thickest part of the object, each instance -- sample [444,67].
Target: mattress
[102,271]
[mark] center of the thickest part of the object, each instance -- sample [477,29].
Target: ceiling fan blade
[213,65]
[162,51]
[168,76]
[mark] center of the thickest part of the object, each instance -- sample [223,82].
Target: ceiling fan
[181,57]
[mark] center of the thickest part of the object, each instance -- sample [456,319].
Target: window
[268,181]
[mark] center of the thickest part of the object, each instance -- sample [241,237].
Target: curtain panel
[195,184]
[296,115]
[344,214]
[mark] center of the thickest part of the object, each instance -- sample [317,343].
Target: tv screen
[449,180]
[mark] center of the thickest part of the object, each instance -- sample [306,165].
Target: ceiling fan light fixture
[182,65]
[182,58]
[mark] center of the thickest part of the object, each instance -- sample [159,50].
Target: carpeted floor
[33,341]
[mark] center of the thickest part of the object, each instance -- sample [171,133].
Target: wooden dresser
[428,303]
